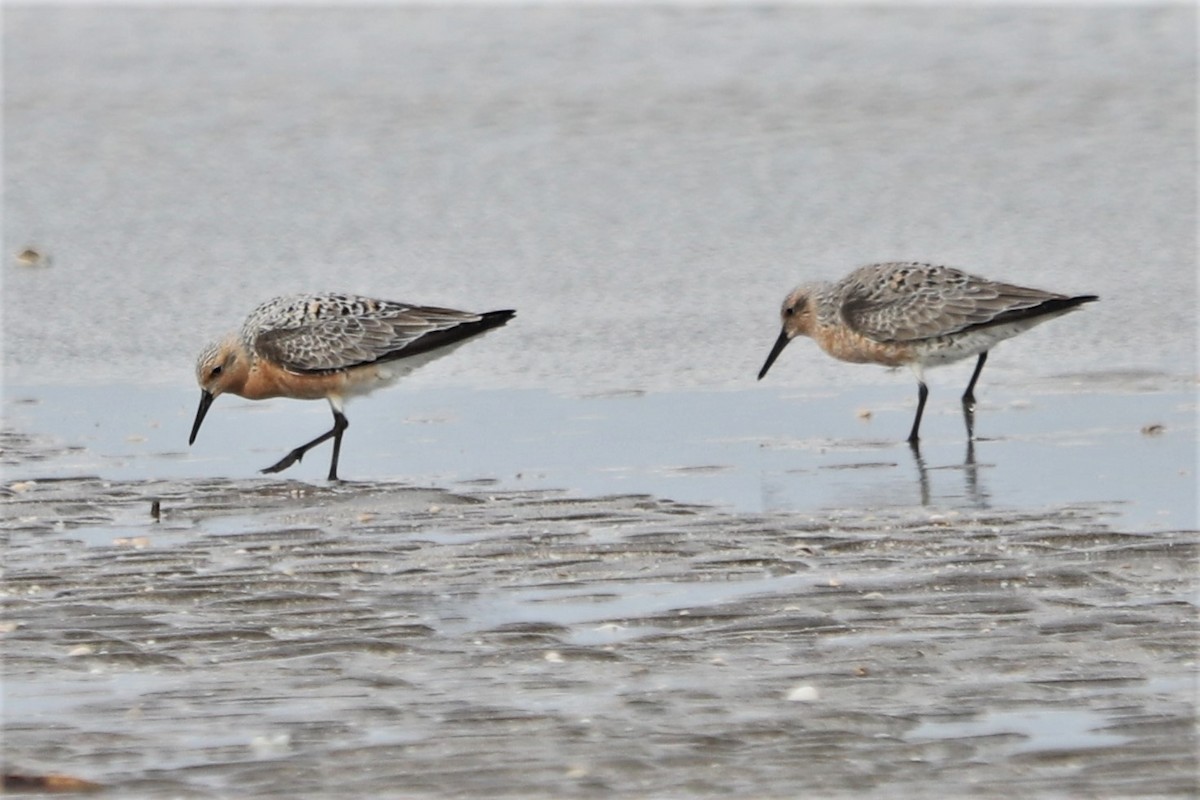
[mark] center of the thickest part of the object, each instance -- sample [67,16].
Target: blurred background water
[643,184]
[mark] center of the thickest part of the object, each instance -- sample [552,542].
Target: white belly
[957,346]
[369,377]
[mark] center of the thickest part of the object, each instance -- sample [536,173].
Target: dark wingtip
[1072,300]
[489,320]
[499,317]
[447,336]
[1052,307]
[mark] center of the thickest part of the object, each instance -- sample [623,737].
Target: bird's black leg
[968,398]
[339,424]
[922,394]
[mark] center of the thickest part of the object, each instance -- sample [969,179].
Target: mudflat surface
[267,638]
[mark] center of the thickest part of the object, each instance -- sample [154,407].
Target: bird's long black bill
[206,399]
[780,343]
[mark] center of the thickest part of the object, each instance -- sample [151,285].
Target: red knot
[331,346]
[921,315]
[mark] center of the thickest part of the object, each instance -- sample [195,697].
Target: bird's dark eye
[216,371]
[787,312]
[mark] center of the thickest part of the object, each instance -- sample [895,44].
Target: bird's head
[798,316]
[222,367]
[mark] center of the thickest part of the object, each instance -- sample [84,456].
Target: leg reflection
[974,494]
[922,472]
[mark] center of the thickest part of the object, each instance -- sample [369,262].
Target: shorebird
[922,315]
[331,346]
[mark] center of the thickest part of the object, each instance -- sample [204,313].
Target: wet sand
[275,638]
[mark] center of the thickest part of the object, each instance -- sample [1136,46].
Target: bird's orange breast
[845,344]
[267,379]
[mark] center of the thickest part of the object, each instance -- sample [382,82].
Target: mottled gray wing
[323,333]
[908,302]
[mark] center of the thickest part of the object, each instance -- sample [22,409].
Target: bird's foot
[285,462]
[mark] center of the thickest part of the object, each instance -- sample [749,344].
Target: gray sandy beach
[588,555]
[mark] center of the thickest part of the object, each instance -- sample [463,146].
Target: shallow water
[1122,447]
[588,556]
